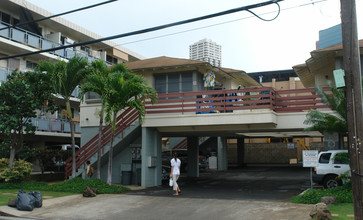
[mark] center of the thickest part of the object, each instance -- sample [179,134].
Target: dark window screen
[160,83]
[173,83]
[187,82]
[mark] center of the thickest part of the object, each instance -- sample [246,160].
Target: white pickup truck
[330,166]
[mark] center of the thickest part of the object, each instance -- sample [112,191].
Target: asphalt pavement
[249,193]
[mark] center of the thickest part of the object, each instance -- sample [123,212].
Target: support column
[222,153]
[241,151]
[193,156]
[150,158]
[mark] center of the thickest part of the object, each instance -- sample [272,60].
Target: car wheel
[331,181]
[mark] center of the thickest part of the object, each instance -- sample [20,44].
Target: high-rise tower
[206,50]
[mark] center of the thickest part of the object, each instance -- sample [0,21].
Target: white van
[330,166]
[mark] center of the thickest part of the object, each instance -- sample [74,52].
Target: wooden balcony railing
[226,101]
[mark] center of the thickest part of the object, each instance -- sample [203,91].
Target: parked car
[60,153]
[331,164]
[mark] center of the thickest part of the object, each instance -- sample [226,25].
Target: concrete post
[222,153]
[150,158]
[241,151]
[193,156]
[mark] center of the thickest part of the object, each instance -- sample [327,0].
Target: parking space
[268,183]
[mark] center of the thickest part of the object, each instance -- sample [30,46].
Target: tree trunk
[16,146]
[73,149]
[109,174]
[12,157]
[110,152]
[71,124]
[99,145]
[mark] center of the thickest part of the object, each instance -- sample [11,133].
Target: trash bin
[138,175]
[126,177]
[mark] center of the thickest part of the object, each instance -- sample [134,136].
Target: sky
[248,43]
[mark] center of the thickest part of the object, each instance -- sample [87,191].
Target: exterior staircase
[127,126]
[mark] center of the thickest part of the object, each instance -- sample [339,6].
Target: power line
[217,24]
[143,31]
[57,15]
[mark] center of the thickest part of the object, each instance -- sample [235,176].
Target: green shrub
[21,170]
[28,185]
[342,193]
[77,185]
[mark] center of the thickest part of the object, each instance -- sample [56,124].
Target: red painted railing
[224,101]
[91,147]
[181,145]
[298,100]
[213,101]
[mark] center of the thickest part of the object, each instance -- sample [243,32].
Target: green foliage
[75,185]
[125,89]
[21,170]
[341,158]
[324,122]
[28,185]
[342,193]
[64,78]
[20,96]
[345,177]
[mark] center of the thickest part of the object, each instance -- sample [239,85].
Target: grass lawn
[343,210]
[6,194]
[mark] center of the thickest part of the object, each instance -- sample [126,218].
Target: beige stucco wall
[293,83]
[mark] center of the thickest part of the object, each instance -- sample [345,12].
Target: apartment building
[51,33]
[206,50]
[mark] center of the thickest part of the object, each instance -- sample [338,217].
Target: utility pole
[353,95]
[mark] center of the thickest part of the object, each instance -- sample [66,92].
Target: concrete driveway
[249,193]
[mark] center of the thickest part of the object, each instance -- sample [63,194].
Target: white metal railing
[33,40]
[54,125]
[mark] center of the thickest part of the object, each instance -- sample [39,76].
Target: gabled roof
[178,64]
[322,61]
[162,62]
[241,76]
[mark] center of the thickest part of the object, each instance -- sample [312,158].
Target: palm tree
[64,78]
[124,89]
[96,82]
[325,122]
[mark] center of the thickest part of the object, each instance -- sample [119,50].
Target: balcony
[54,125]
[232,111]
[35,41]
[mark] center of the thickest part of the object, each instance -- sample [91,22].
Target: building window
[173,82]
[30,65]
[92,96]
[5,18]
[111,59]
